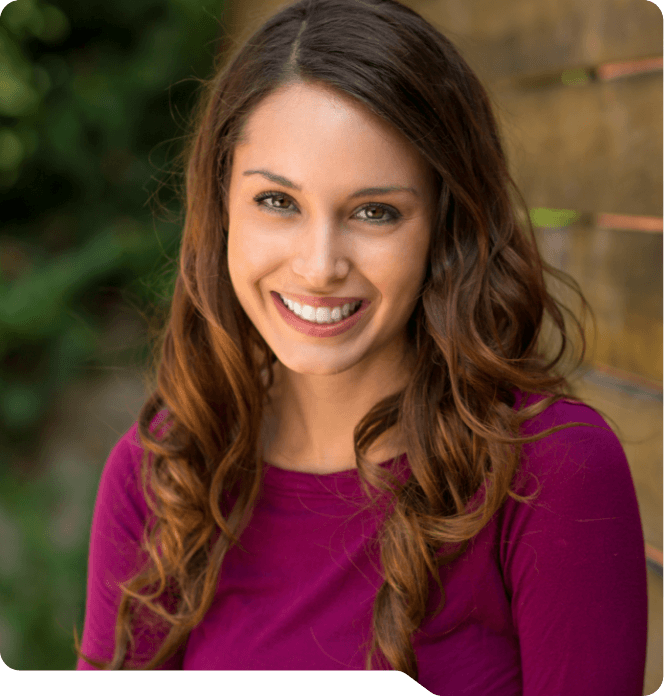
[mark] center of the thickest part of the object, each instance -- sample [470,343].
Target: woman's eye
[386,213]
[275,196]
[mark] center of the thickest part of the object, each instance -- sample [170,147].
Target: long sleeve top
[549,599]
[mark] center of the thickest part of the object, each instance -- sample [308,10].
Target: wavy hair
[477,329]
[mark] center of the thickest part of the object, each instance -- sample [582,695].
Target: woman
[360,453]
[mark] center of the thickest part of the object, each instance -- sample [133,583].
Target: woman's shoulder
[122,471]
[580,446]
[568,413]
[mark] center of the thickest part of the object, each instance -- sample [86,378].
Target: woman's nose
[320,255]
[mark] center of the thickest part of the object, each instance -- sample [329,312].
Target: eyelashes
[393,214]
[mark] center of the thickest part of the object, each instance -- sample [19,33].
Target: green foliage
[91,93]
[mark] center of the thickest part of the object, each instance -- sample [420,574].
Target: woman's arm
[117,528]
[574,563]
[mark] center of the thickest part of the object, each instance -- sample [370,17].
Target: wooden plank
[654,555]
[516,37]
[560,218]
[596,148]
[620,274]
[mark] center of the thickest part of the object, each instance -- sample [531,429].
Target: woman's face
[317,236]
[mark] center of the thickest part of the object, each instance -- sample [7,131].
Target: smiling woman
[361,452]
[355,227]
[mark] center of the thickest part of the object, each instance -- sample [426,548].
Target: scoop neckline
[346,481]
[342,472]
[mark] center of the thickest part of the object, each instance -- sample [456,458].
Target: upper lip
[321,301]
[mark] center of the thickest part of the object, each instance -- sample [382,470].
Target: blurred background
[94,99]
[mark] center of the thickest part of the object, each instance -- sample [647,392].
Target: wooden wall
[586,141]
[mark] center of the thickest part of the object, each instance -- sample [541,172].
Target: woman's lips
[321,301]
[319,330]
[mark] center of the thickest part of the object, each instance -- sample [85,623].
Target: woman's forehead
[316,127]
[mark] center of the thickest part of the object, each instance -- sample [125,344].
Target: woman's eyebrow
[371,191]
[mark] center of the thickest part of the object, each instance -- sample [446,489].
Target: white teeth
[321,315]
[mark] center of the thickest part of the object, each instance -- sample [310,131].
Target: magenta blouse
[549,599]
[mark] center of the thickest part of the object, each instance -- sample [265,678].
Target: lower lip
[318,330]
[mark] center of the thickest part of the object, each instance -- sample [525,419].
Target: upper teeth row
[320,315]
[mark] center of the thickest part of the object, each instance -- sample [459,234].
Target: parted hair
[477,331]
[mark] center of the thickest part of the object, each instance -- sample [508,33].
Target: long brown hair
[476,330]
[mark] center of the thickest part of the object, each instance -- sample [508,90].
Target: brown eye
[274,196]
[374,208]
[387,213]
